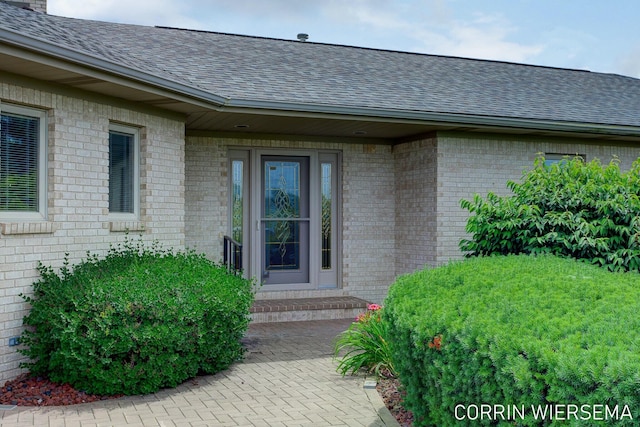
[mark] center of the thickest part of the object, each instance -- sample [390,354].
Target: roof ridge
[464,58]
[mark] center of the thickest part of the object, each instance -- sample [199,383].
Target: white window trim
[119,216]
[41,214]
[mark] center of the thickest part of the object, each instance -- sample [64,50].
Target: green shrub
[136,320]
[365,346]
[572,208]
[528,331]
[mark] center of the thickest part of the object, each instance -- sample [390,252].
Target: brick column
[38,5]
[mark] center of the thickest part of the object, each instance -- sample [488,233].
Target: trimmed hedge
[138,320]
[527,331]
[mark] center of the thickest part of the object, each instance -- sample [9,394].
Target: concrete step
[301,309]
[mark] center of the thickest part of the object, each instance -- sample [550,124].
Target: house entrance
[284,211]
[285,220]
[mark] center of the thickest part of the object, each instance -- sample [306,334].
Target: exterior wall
[368,208]
[484,163]
[206,210]
[369,221]
[416,201]
[77,216]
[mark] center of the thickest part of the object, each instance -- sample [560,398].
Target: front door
[285,220]
[285,213]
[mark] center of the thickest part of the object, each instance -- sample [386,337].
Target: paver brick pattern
[288,378]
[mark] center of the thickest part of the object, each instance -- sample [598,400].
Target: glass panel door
[285,220]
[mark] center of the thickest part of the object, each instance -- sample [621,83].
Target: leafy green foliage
[18,191]
[515,330]
[581,210]
[365,345]
[135,321]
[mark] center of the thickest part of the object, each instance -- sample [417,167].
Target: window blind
[19,162]
[121,172]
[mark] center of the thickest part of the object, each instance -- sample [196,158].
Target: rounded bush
[138,320]
[528,332]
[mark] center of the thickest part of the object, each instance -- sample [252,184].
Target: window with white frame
[124,171]
[22,163]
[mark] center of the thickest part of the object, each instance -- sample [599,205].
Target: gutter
[427,117]
[203,98]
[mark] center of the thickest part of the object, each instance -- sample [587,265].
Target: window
[123,171]
[22,163]
[557,158]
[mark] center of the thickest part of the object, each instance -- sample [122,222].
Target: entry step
[299,309]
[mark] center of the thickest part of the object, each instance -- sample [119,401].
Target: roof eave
[47,49]
[431,117]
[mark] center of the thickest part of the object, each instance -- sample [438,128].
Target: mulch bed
[37,391]
[391,392]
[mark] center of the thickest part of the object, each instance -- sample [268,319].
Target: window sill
[15,228]
[126,226]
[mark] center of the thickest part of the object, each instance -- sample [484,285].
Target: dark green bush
[135,321]
[528,331]
[572,208]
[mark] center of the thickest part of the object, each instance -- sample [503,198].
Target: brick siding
[484,163]
[77,215]
[416,190]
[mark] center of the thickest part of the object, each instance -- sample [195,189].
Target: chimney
[36,5]
[39,5]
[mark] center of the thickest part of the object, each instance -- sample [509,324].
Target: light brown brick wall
[416,202]
[483,163]
[77,217]
[369,220]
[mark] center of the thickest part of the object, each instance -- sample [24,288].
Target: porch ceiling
[242,117]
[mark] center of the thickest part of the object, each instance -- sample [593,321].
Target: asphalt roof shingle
[272,70]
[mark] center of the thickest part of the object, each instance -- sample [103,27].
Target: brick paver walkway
[288,378]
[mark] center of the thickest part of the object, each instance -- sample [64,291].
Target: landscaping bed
[390,391]
[38,391]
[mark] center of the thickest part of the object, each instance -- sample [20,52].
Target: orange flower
[436,342]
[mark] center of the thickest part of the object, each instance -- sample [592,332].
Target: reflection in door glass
[237,167]
[282,245]
[326,216]
[282,203]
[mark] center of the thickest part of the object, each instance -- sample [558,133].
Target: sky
[596,35]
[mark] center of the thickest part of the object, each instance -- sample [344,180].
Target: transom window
[22,163]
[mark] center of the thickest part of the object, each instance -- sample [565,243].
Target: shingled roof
[242,70]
